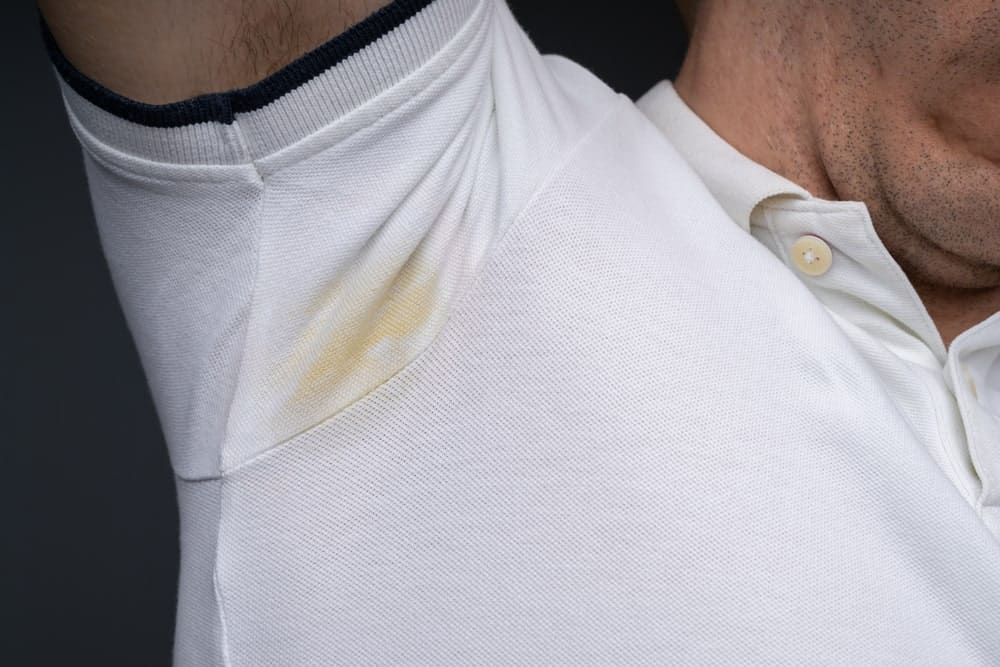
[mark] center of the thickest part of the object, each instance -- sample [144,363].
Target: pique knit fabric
[461,362]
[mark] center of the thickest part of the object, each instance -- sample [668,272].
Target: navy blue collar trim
[222,107]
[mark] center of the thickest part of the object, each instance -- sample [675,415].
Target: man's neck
[752,96]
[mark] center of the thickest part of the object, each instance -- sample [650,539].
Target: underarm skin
[160,51]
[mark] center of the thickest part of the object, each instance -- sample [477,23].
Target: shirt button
[812,256]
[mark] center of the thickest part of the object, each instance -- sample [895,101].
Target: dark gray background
[89,553]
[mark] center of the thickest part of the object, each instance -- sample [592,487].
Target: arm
[160,51]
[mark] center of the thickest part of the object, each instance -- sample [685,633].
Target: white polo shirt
[461,363]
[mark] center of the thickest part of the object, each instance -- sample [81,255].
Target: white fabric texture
[480,371]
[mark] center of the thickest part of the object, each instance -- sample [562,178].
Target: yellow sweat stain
[339,357]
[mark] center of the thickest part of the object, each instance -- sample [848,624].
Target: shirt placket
[973,371]
[859,282]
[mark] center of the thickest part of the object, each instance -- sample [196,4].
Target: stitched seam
[127,171]
[975,451]
[973,436]
[240,366]
[968,492]
[220,600]
[251,309]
